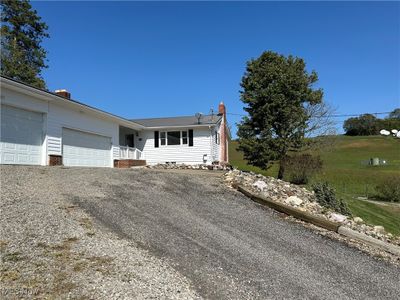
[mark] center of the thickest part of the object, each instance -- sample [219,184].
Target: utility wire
[331,116]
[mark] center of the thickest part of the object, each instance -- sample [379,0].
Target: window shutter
[156,139]
[190,137]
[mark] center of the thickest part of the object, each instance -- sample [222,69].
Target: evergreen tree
[276,90]
[22,32]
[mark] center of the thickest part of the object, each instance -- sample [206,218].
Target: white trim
[181,144]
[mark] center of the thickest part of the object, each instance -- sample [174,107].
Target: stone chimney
[63,93]
[223,134]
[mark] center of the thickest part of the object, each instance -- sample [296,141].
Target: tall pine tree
[22,32]
[276,90]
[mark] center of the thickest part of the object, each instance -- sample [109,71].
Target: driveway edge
[326,224]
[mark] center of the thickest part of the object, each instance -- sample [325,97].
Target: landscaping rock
[379,229]
[337,218]
[358,220]
[261,185]
[303,199]
[294,201]
[175,166]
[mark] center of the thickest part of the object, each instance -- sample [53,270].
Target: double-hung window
[184,137]
[163,138]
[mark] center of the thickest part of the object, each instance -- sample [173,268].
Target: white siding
[179,153]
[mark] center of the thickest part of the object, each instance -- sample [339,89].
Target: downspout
[211,144]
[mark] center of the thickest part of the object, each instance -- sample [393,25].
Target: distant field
[345,168]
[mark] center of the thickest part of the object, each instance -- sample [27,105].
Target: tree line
[368,124]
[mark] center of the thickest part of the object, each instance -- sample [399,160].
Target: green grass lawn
[345,169]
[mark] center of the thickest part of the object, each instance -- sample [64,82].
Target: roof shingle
[178,121]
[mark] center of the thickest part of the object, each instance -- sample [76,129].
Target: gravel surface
[51,249]
[109,233]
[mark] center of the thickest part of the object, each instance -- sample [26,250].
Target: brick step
[127,163]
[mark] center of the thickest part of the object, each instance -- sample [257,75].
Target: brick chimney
[223,134]
[63,93]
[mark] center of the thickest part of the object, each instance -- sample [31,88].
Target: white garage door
[21,136]
[85,149]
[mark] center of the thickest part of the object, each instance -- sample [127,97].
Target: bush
[298,169]
[326,197]
[389,189]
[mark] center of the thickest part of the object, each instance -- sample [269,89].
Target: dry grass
[3,245]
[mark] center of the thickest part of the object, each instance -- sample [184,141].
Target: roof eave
[180,126]
[45,95]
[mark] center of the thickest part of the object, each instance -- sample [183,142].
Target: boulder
[260,185]
[294,201]
[335,217]
[379,229]
[358,220]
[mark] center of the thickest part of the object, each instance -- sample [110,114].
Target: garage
[21,136]
[85,149]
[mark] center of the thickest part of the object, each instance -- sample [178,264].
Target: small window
[174,138]
[162,139]
[184,138]
[217,138]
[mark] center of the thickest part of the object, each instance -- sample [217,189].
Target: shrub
[326,197]
[300,168]
[389,189]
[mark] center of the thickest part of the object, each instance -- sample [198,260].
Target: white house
[43,128]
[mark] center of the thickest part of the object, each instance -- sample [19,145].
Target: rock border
[326,224]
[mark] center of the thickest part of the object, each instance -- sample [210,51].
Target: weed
[13,256]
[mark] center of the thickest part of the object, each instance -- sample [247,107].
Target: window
[162,139]
[173,138]
[184,138]
[217,138]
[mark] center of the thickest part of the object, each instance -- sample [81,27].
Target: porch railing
[126,152]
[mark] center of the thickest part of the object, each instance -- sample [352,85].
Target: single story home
[39,127]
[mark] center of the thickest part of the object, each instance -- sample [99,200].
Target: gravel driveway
[146,233]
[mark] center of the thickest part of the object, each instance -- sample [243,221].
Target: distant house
[43,128]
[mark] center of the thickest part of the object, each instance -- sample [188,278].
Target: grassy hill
[346,168]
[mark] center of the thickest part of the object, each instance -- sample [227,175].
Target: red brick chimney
[63,93]
[223,134]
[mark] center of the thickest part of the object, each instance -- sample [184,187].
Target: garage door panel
[21,136]
[85,149]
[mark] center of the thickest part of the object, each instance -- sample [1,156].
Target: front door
[130,140]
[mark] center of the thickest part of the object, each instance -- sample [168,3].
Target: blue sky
[153,59]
